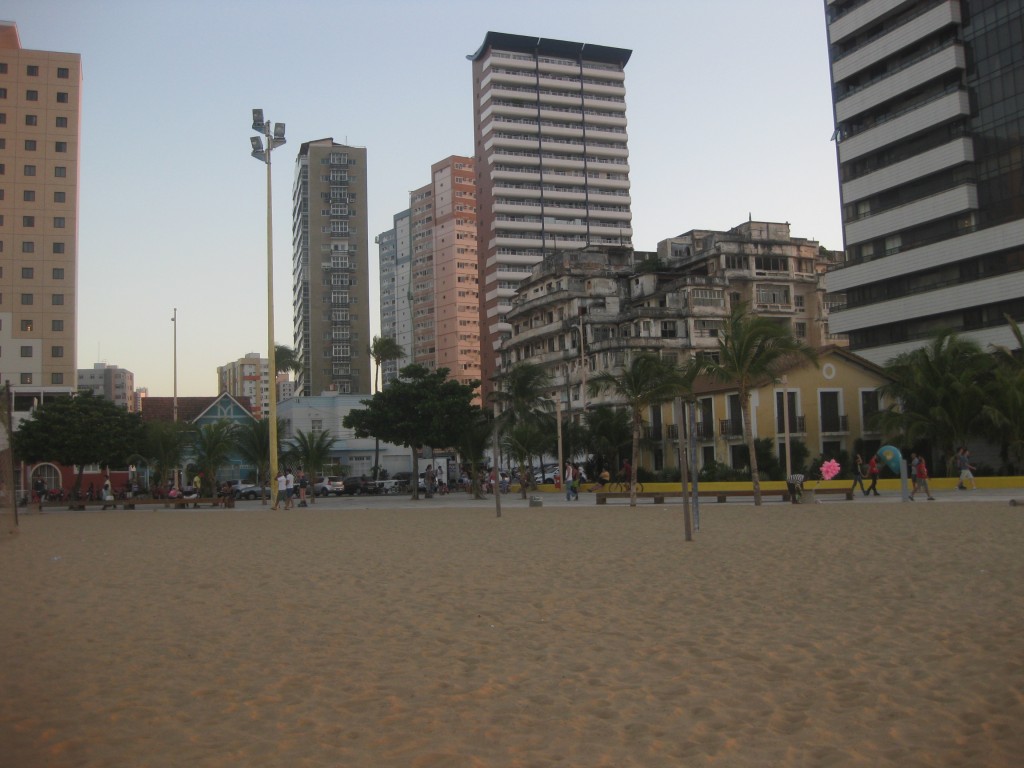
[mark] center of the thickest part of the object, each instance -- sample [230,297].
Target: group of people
[871,470]
[290,485]
[572,477]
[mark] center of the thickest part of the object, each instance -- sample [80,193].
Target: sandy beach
[436,635]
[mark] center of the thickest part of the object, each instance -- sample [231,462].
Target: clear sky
[727,100]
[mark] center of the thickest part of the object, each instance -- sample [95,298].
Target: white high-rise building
[552,163]
[929,113]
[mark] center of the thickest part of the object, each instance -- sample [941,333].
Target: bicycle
[622,486]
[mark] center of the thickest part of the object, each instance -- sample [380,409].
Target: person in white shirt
[280,489]
[289,488]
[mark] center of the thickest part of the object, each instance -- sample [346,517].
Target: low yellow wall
[891,485]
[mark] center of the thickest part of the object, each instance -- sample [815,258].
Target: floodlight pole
[274,138]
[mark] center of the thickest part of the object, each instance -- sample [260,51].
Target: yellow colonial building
[830,407]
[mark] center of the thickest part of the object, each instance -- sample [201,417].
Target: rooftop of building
[545,46]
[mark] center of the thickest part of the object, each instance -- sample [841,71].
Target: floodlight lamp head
[279,131]
[257,143]
[257,120]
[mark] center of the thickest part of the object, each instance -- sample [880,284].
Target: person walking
[108,493]
[289,488]
[280,489]
[873,471]
[914,461]
[303,485]
[963,463]
[858,474]
[795,486]
[921,479]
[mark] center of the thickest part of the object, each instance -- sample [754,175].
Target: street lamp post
[174,320]
[275,138]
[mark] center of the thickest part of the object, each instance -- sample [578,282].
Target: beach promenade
[386,632]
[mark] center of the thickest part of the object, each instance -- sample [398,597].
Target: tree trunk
[632,465]
[748,436]
[415,481]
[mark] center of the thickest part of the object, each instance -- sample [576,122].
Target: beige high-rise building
[247,377]
[111,383]
[40,94]
[429,289]
[552,163]
[330,269]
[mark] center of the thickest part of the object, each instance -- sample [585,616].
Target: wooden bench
[180,503]
[719,495]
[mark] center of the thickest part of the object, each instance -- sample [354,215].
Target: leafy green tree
[474,439]
[751,349]
[382,350]
[937,393]
[646,381]
[252,442]
[213,446]
[79,430]
[311,451]
[164,445]
[421,407]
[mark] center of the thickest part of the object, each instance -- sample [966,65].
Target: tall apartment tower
[247,377]
[111,383]
[929,114]
[395,255]
[429,274]
[330,269]
[552,164]
[40,105]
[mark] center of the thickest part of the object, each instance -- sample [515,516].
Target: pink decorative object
[829,469]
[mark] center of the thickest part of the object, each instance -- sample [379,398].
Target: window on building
[27,246]
[62,97]
[58,222]
[32,70]
[59,197]
[30,145]
[27,299]
[57,299]
[30,170]
[57,351]
[56,378]
[63,73]
[56,325]
[26,326]
[3,118]
[58,247]
[28,221]
[26,351]
[31,120]
[800,330]
[61,122]
[31,95]
[26,378]
[29,195]
[27,273]
[3,93]
[58,273]
[60,172]
[60,146]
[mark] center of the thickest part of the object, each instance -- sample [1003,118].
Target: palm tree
[252,441]
[164,447]
[937,392]
[474,438]
[647,380]
[523,393]
[609,434]
[751,349]
[522,442]
[286,361]
[311,451]
[1004,410]
[213,446]
[382,349]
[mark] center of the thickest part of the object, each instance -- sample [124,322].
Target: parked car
[355,486]
[250,492]
[329,486]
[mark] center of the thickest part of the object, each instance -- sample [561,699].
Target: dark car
[355,486]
